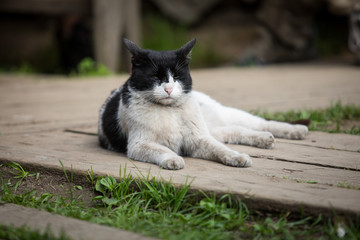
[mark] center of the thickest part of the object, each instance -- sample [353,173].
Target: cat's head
[161,77]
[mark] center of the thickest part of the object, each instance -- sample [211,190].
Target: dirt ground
[347,125]
[49,181]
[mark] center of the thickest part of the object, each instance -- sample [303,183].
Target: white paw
[298,132]
[238,160]
[265,140]
[173,163]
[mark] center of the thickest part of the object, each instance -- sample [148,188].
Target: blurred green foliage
[89,68]
[24,68]
[162,34]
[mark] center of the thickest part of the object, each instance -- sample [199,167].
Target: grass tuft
[19,173]
[331,119]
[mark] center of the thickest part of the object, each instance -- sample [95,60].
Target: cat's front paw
[238,160]
[298,132]
[173,163]
[265,140]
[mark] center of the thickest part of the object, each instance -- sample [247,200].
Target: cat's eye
[155,77]
[176,77]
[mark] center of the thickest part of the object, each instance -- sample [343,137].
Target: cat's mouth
[167,100]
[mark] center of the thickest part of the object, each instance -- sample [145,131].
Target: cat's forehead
[163,59]
[162,55]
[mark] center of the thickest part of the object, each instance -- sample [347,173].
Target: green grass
[19,173]
[331,119]
[303,181]
[159,209]
[355,130]
[348,185]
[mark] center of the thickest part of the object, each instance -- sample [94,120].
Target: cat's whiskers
[151,96]
[159,98]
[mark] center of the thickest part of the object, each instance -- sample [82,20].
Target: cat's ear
[138,54]
[134,50]
[185,50]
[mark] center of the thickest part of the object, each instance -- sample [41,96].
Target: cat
[156,117]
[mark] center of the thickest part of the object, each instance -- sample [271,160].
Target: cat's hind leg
[155,153]
[218,115]
[241,135]
[285,130]
[235,117]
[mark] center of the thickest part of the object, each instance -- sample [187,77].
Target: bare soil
[49,181]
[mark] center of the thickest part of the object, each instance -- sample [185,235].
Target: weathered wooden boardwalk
[37,111]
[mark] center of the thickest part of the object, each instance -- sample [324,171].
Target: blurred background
[75,36]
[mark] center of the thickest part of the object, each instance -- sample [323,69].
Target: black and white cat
[155,116]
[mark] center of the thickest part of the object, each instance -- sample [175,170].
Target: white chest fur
[169,126]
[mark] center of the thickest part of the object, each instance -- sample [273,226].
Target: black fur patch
[111,126]
[125,95]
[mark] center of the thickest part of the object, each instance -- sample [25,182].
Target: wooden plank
[291,168]
[265,181]
[305,173]
[42,221]
[338,141]
[294,152]
[281,87]
[263,167]
[38,103]
[306,155]
[46,6]
[33,106]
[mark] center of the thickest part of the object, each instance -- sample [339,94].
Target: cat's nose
[168,90]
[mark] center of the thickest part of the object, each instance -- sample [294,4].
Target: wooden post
[132,29]
[114,19]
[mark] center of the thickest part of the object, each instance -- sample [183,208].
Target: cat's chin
[174,101]
[167,101]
